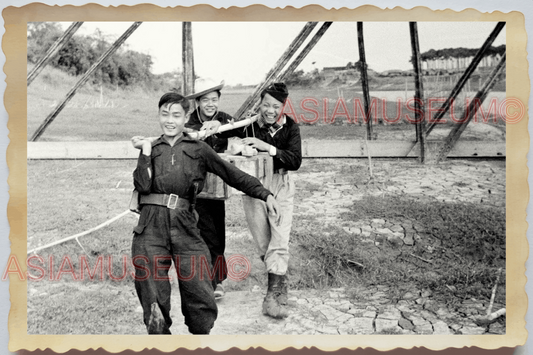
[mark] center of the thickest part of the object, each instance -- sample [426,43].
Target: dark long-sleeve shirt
[287,141]
[219,141]
[174,170]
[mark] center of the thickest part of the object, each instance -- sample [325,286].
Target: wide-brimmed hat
[205,86]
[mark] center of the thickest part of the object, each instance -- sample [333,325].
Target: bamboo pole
[464,78]
[188,59]
[83,80]
[226,127]
[274,72]
[419,92]
[364,80]
[459,128]
[54,48]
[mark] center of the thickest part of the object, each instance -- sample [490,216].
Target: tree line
[124,68]
[459,52]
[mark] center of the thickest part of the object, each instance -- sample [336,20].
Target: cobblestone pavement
[372,310]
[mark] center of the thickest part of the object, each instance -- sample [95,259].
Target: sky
[243,52]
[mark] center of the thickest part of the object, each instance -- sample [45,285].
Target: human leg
[212,227]
[193,262]
[273,242]
[151,258]
[256,215]
[277,253]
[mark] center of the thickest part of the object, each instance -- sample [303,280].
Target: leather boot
[271,305]
[284,290]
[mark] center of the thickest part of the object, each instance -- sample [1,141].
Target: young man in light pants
[280,136]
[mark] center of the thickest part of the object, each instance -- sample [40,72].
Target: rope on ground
[76,236]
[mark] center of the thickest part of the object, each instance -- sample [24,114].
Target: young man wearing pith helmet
[212,212]
[279,135]
[170,171]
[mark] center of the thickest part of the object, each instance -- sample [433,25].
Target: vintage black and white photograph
[267,178]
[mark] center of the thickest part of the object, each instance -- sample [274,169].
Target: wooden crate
[261,166]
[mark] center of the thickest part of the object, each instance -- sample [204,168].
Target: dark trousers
[164,236]
[212,227]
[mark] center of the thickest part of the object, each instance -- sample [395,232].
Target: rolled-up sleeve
[142,175]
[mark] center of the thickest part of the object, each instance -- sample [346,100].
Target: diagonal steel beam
[305,51]
[459,128]
[274,72]
[40,130]
[466,75]
[54,48]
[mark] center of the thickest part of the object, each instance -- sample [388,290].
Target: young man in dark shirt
[170,171]
[212,223]
[278,135]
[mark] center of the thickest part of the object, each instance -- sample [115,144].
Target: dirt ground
[325,189]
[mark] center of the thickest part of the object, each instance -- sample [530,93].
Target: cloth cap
[205,86]
[277,90]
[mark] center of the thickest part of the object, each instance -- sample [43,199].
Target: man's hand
[145,144]
[274,209]
[256,143]
[137,141]
[210,127]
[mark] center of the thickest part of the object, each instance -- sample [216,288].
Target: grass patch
[464,244]
[103,113]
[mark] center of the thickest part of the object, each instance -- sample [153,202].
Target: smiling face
[270,108]
[172,118]
[208,104]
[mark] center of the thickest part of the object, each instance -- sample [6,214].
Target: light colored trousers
[272,241]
